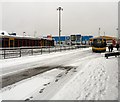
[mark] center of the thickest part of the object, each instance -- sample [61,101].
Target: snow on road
[93,77]
[9,66]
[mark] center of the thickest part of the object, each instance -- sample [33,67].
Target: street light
[59,9]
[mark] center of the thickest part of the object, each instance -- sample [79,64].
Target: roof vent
[2,33]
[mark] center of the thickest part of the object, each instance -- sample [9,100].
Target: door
[11,42]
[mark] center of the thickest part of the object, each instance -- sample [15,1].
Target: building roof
[4,34]
[62,38]
[105,37]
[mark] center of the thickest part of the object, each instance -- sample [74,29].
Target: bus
[98,44]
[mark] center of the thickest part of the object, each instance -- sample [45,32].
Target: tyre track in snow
[49,61]
[18,76]
[47,94]
[79,57]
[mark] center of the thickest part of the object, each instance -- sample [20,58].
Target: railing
[15,52]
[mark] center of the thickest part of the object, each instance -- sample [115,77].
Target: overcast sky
[77,18]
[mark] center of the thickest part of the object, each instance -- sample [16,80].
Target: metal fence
[15,52]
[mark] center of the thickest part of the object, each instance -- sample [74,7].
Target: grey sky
[77,17]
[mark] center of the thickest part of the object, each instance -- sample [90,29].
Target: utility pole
[59,9]
[104,33]
[99,32]
[35,32]
[24,33]
[117,35]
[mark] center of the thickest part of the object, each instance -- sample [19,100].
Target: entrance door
[11,42]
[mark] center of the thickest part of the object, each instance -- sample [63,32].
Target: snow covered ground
[93,77]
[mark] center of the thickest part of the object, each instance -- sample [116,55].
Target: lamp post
[59,9]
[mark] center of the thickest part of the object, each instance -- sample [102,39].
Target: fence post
[55,48]
[32,51]
[41,50]
[4,53]
[20,52]
[49,49]
[60,48]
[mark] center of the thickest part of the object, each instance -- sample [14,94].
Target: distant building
[75,39]
[13,40]
[64,40]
